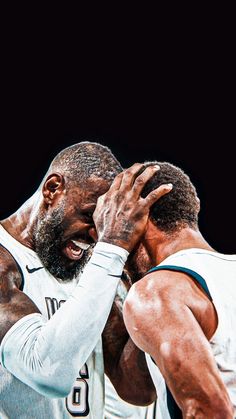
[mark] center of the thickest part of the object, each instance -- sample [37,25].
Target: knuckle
[128,172]
[131,170]
[136,165]
[119,176]
[139,181]
[164,188]
[154,194]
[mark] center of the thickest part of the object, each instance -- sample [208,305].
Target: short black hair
[178,208]
[81,160]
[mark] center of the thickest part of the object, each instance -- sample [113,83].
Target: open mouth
[74,249]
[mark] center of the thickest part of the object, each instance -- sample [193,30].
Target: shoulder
[151,303]
[164,294]
[159,286]
[9,272]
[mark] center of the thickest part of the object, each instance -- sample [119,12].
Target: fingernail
[156,167]
[170,185]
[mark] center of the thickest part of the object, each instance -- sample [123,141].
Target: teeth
[83,246]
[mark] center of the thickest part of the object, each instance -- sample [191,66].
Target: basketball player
[52,315]
[182,312]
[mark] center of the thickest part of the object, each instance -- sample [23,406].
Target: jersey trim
[18,266]
[190,272]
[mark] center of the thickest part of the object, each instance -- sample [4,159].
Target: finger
[129,176]
[116,182]
[153,196]
[143,178]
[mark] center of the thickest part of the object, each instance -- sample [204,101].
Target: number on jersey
[77,402]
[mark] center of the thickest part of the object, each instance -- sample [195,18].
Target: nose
[93,234]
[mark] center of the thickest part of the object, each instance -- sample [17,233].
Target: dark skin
[124,362]
[121,355]
[14,303]
[180,347]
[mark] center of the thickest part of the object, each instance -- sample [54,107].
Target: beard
[48,241]
[138,263]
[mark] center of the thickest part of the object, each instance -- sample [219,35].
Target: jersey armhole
[187,271]
[18,266]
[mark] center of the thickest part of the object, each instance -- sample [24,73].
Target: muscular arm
[125,364]
[14,304]
[162,320]
[34,350]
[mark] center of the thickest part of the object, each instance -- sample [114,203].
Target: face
[65,235]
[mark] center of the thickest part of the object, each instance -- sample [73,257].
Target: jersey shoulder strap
[187,271]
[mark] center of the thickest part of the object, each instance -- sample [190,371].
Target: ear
[53,187]
[150,230]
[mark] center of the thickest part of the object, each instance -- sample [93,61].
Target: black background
[176,105]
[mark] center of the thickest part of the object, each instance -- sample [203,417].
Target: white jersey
[116,408]
[217,274]
[17,400]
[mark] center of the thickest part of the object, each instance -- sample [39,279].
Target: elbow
[218,410]
[144,399]
[138,396]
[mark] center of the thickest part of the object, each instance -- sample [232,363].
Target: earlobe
[53,187]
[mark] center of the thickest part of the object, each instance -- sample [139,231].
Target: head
[180,207]
[64,232]
[172,212]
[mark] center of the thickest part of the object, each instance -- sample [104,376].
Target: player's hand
[121,213]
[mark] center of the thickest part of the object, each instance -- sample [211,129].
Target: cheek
[93,234]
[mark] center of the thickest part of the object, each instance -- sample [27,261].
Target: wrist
[122,244]
[110,257]
[111,247]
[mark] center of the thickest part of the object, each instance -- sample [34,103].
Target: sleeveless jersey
[19,401]
[216,273]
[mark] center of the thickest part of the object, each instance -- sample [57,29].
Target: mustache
[48,241]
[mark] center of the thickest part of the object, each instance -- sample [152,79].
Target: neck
[20,225]
[160,245]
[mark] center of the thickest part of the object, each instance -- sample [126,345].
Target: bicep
[176,342]
[14,304]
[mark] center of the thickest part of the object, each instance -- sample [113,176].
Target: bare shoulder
[10,276]
[167,294]
[14,304]
[160,286]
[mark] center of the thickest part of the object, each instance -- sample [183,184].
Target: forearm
[132,380]
[124,363]
[36,352]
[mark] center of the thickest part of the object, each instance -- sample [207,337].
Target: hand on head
[121,213]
